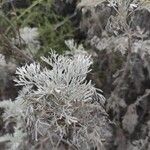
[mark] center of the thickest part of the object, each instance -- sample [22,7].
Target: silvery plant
[56,107]
[29,39]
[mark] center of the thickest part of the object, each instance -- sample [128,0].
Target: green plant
[46,20]
[53,29]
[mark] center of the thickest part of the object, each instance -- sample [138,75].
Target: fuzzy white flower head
[29,35]
[2,60]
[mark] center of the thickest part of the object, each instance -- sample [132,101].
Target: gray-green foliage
[53,29]
[56,105]
[45,19]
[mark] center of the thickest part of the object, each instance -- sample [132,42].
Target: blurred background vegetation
[53,29]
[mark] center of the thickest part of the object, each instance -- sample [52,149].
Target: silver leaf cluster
[55,104]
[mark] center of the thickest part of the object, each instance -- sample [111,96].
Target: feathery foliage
[56,104]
